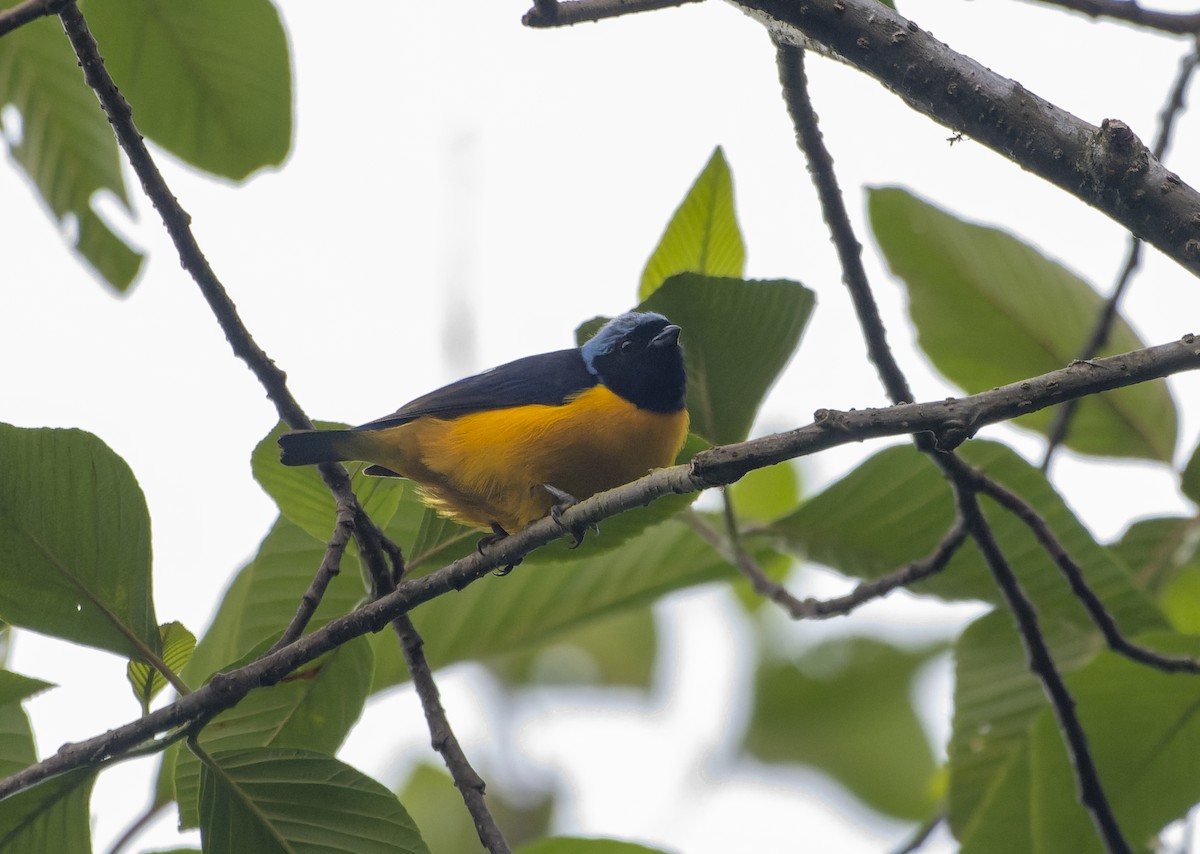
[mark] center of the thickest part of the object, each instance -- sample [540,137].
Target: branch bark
[1107,167]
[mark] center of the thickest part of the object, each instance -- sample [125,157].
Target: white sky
[446,158]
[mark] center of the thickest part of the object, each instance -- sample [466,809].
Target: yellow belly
[491,466]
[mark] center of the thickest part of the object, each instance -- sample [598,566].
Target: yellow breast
[491,466]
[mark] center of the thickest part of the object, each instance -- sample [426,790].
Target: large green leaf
[313,710]
[853,691]
[1190,479]
[304,498]
[703,235]
[74,541]
[991,310]
[51,816]
[66,146]
[16,738]
[538,602]
[894,508]
[436,805]
[996,703]
[297,801]
[1143,732]
[209,80]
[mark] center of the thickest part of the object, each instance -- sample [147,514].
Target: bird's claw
[498,533]
[562,502]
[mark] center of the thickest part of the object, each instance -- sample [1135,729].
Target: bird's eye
[626,348]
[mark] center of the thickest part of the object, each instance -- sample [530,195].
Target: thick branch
[952,420]
[30,10]
[1107,167]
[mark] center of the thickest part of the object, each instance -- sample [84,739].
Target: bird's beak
[669,337]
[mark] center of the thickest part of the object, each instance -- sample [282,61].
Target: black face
[645,366]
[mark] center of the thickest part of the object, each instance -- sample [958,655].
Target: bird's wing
[547,378]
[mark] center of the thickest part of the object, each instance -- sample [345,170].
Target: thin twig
[1177,23]
[838,606]
[1091,790]
[1096,609]
[548,13]
[137,827]
[1108,314]
[30,10]
[470,784]
[790,60]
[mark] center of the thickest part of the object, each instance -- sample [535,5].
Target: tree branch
[1175,23]
[1108,314]
[30,10]
[1091,791]
[952,420]
[549,13]
[1107,167]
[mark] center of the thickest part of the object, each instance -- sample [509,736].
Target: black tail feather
[308,447]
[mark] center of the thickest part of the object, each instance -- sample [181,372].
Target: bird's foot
[562,502]
[498,533]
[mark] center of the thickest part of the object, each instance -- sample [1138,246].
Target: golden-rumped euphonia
[505,447]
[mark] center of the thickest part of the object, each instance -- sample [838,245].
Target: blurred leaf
[295,800]
[855,692]
[617,649]
[538,602]
[16,738]
[74,541]
[210,80]
[766,494]
[435,804]
[303,497]
[66,146]
[1190,480]
[991,310]
[429,540]
[1144,735]
[1180,600]
[1155,549]
[263,597]
[703,235]
[312,710]
[51,816]
[895,507]
[578,845]
[146,681]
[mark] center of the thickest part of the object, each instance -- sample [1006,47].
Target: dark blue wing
[547,378]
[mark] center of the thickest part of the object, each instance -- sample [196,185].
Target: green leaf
[579,845]
[738,336]
[209,80]
[538,602]
[1156,549]
[304,498]
[766,494]
[16,738]
[895,507]
[264,596]
[436,805]
[295,800]
[74,541]
[146,681]
[617,649]
[703,235]
[852,691]
[66,146]
[313,709]
[51,816]
[1144,735]
[991,310]
[1190,480]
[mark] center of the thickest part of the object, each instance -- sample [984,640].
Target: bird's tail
[307,447]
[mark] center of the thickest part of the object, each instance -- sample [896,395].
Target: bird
[505,447]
